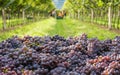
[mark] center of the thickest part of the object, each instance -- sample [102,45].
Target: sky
[59,3]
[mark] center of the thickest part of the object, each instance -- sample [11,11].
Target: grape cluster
[59,56]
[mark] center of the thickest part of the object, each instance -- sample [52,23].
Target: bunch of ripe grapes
[59,56]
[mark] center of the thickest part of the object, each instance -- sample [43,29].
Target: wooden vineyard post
[23,16]
[92,15]
[4,19]
[109,18]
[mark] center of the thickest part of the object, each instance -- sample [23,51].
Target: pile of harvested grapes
[59,56]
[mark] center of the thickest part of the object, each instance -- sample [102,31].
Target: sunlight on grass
[34,29]
[64,27]
[40,28]
[68,27]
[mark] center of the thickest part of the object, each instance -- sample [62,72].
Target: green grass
[69,27]
[66,27]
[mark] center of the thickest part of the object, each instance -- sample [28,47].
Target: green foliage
[94,9]
[88,4]
[40,5]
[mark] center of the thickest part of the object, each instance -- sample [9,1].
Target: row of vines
[19,12]
[102,12]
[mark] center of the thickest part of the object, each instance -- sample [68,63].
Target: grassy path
[65,27]
[68,27]
[33,29]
